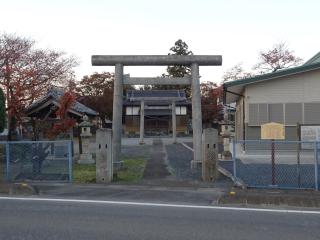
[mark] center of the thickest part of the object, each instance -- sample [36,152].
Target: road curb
[18,189]
[267,198]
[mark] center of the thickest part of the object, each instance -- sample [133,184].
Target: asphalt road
[81,220]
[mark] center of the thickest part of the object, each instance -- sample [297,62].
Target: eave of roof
[156,93]
[54,94]
[314,59]
[156,103]
[270,76]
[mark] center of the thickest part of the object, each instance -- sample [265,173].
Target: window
[254,114]
[261,113]
[293,113]
[312,113]
[276,112]
[258,114]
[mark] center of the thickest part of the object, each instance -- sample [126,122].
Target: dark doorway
[157,125]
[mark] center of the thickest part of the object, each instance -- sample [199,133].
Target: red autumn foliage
[210,106]
[65,123]
[279,57]
[26,72]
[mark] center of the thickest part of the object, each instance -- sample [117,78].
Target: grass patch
[132,170]
[84,173]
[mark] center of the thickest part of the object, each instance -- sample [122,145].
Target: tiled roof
[156,93]
[55,94]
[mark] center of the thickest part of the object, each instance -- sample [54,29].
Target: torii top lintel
[156,60]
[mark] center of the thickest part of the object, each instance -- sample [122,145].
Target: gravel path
[179,158]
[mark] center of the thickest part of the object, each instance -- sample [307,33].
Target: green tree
[182,49]
[2,111]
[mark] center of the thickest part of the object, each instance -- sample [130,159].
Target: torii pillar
[157,60]
[196,116]
[174,122]
[141,140]
[117,113]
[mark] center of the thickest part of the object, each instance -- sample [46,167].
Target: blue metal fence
[36,161]
[277,164]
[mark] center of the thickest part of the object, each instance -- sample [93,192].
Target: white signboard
[309,133]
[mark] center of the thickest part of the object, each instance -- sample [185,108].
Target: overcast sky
[235,29]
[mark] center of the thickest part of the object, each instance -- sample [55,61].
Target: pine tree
[179,48]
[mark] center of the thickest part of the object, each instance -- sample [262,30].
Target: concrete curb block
[18,189]
[247,199]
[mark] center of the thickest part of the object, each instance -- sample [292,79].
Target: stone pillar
[141,140]
[209,154]
[196,115]
[174,122]
[104,166]
[117,114]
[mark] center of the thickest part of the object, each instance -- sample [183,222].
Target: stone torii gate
[194,61]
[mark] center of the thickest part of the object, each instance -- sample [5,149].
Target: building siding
[299,88]
[290,100]
[254,133]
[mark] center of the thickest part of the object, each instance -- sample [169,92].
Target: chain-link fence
[277,164]
[36,161]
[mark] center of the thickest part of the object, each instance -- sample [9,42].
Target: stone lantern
[86,156]
[226,155]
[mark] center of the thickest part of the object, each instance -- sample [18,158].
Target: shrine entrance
[194,61]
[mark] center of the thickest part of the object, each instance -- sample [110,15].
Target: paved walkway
[156,167]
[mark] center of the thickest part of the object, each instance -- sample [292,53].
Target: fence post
[316,165]
[8,161]
[234,157]
[273,165]
[70,160]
